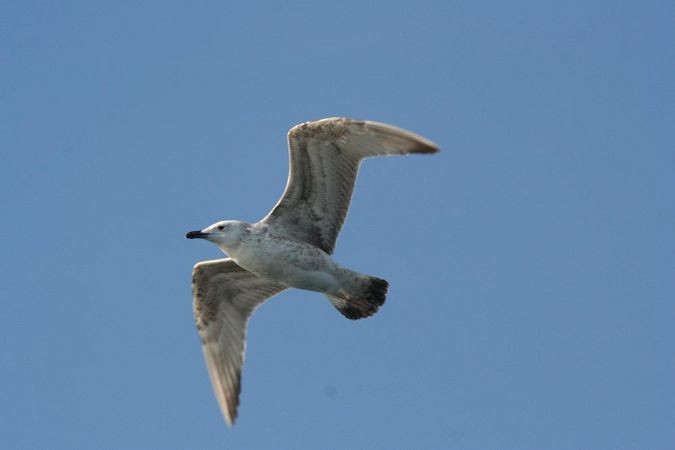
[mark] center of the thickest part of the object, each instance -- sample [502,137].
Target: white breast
[291,262]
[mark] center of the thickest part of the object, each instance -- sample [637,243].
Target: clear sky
[531,262]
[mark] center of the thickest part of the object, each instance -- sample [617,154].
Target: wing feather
[324,160]
[224,297]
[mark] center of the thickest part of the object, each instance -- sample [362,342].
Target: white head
[225,234]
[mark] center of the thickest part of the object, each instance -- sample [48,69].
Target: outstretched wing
[224,297]
[324,160]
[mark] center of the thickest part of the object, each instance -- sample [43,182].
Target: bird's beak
[196,235]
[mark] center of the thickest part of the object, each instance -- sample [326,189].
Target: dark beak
[196,235]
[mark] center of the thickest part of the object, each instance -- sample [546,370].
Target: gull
[291,246]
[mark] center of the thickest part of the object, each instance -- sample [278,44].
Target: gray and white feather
[291,246]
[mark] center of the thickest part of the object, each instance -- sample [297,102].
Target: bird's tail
[362,298]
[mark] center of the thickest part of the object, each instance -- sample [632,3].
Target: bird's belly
[292,263]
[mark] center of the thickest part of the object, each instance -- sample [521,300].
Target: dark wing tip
[421,144]
[405,141]
[425,148]
[234,404]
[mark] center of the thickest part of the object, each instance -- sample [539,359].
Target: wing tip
[424,146]
[229,403]
[230,420]
[418,144]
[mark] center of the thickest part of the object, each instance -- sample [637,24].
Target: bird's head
[225,234]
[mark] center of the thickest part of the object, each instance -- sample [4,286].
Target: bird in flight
[291,246]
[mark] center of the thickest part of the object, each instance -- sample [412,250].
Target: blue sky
[532,262]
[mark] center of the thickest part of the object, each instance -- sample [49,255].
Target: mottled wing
[225,296]
[324,160]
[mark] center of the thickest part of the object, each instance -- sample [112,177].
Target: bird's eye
[221,227]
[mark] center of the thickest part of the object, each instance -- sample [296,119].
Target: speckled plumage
[291,246]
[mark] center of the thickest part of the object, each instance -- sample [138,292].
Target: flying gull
[291,246]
